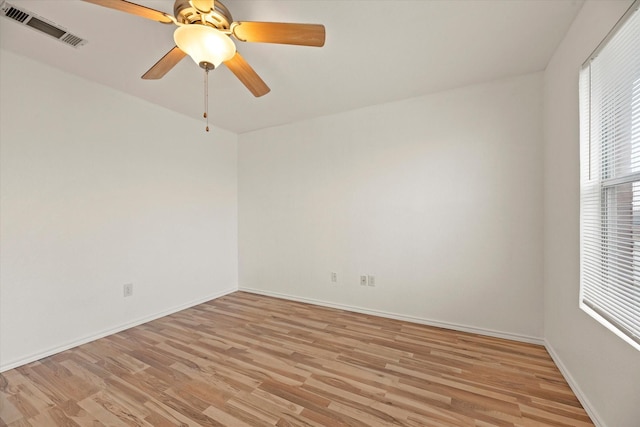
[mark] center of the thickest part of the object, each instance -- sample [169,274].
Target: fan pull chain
[206,97]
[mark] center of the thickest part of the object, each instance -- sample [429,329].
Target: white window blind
[610,180]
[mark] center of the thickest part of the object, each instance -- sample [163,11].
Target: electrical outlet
[363,280]
[127,290]
[372,280]
[334,277]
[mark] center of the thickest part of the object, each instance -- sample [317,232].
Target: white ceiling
[376,51]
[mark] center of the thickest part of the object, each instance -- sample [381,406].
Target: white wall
[439,197]
[603,369]
[99,189]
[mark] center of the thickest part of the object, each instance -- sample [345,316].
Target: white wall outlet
[363,280]
[334,277]
[127,290]
[372,280]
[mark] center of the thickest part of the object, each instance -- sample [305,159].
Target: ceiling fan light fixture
[207,46]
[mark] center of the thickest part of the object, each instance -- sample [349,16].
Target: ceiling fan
[204,30]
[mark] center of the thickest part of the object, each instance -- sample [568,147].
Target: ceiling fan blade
[165,64]
[134,9]
[279,32]
[203,6]
[247,75]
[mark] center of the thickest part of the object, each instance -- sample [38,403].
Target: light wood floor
[249,360]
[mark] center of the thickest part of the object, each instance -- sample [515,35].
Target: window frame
[609,259]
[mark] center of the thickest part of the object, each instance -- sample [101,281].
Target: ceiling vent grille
[40,24]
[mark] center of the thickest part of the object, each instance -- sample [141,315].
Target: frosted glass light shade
[204,44]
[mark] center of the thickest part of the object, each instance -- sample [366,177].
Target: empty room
[320,213]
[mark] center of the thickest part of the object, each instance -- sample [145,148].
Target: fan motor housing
[219,17]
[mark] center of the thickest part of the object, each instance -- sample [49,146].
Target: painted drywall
[604,370]
[438,197]
[99,189]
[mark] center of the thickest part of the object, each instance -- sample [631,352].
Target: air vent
[40,24]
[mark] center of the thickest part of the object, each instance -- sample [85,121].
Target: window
[610,180]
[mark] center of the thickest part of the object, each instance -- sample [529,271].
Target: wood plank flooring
[250,360]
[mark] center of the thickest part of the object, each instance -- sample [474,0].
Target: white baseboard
[51,351]
[595,418]
[412,319]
